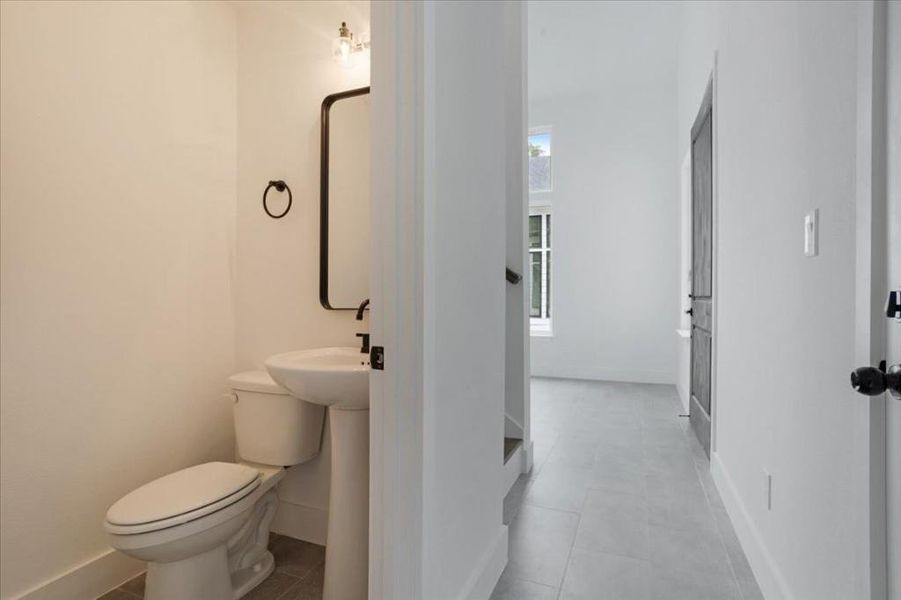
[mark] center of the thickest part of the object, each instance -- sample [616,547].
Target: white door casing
[893,326]
[871,282]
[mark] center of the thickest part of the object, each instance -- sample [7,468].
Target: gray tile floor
[299,568]
[619,503]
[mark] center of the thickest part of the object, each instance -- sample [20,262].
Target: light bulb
[343,45]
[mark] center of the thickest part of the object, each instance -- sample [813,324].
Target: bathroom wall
[615,198]
[785,131]
[117,196]
[285,69]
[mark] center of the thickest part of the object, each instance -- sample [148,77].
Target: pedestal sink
[339,379]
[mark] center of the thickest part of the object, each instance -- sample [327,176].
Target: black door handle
[689,312]
[871,381]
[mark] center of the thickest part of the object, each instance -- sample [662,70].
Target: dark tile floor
[620,504]
[299,568]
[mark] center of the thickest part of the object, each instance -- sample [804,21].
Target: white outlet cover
[811,233]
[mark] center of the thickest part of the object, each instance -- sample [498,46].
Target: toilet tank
[271,426]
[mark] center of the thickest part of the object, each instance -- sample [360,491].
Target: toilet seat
[181,497]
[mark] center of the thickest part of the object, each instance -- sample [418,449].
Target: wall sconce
[345,48]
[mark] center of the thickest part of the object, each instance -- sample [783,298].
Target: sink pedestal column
[347,546]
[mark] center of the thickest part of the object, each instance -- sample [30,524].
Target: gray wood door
[702,269]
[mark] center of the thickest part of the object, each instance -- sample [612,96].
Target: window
[540,270]
[540,160]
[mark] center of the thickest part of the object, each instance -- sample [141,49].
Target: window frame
[542,326]
[536,131]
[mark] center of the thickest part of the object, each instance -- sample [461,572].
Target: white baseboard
[307,523]
[483,581]
[89,580]
[769,578]
[602,374]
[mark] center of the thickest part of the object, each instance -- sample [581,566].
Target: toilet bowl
[204,530]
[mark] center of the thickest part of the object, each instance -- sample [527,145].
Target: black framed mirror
[344,200]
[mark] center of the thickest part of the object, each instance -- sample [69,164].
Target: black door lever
[871,381]
[893,305]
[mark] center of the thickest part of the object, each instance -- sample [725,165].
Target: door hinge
[377,358]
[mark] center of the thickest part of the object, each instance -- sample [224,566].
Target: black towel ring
[280,186]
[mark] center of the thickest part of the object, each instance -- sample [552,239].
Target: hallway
[619,503]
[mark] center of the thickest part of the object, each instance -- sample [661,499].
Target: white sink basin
[334,377]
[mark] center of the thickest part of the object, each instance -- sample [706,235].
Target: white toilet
[204,530]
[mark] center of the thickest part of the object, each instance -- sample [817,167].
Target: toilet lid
[184,496]
[256,381]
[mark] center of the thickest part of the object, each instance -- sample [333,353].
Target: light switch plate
[811,233]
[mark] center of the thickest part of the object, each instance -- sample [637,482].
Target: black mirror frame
[323,195]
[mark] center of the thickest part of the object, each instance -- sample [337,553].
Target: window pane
[540,144]
[547,308]
[534,231]
[535,285]
[540,162]
[548,226]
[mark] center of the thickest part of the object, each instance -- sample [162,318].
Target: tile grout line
[572,545]
[719,533]
[563,510]
[290,588]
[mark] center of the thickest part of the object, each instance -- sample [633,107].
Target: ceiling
[589,47]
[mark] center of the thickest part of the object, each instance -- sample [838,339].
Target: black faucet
[360,310]
[365,348]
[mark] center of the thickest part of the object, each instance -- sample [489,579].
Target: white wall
[464,314]
[285,70]
[683,371]
[117,193]
[615,222]
[785,135]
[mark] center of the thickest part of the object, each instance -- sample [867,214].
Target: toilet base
[200,577]
[250,577]
[205,577]
[227,571]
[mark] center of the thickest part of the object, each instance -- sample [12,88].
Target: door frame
[402,291]
[715,241]
[870,267]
